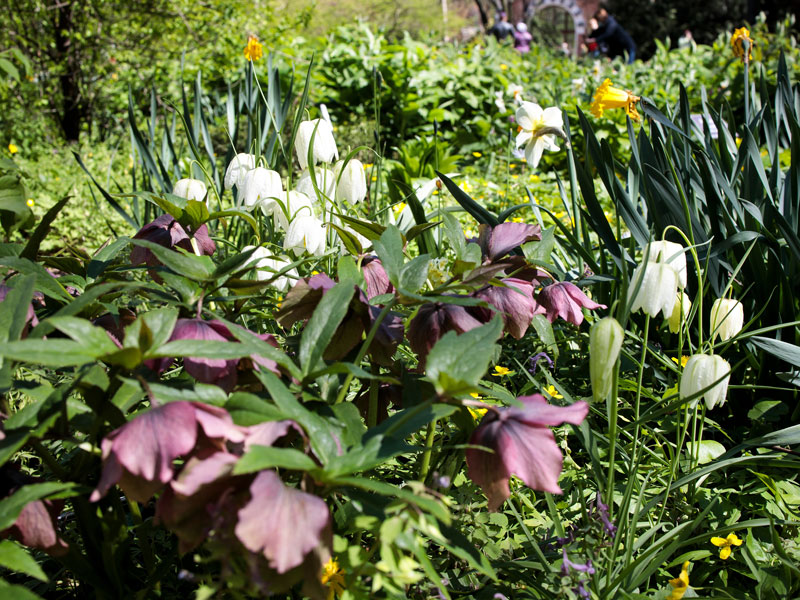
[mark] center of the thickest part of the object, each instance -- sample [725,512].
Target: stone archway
[571,8]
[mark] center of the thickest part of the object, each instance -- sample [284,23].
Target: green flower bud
[605,342]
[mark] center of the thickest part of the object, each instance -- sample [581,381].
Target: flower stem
[613,407]
[425,462]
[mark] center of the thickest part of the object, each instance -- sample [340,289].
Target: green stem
[613,408]
[374,387]
[364,347]
[148,558]
[425,462]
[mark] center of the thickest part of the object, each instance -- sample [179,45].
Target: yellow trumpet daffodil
[253,50]
[739,37]
[607,97]
[680,584]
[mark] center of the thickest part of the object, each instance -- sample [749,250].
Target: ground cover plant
[473,346]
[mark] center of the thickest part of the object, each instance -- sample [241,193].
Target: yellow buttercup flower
[333,577]
[477,413]
[477,154]
[30,202]
[608,96]
[500,371]
[552,392]
[253,50]
[680,584]
[738,38]
[13,148]
[682,362]
[503,67]
[726,544]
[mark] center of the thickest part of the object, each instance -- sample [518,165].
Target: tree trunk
[72,112]
[484,18]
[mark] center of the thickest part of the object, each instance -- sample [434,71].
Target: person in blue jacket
[611,34]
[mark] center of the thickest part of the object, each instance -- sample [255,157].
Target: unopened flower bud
[679,312]
[605,342]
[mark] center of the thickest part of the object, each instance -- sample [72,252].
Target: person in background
[502,29]
[522,38]
[686,40]
[612,34]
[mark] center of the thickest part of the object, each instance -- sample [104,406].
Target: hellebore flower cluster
[522,444]
[167,232]
[283,532]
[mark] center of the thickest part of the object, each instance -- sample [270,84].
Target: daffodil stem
[746,46]
[425,462]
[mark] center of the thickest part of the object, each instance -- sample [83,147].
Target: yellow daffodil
[552,392]
[608,96]
[333,577]
[739,37]
[500,371]
[726,544]
[13,148]
[253,50]
[680,584]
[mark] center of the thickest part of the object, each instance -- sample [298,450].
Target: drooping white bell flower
[191,189]
[727,318]
[325,179]
[351,181]
[669,253]
[293,204]
[260,188]
[701,371]
[537,128]
[679,312]
[305,234]
[324,144]
[238,168]
[267,266]
[658,288]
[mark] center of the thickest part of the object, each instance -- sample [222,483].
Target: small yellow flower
[500,371]
[738,38]
[477,154]
[253,49]
[30,202]
[114,76]
[477,413]
[503,67]
[279,302]
[553,392]
[726,544]
[333,577]
[680,584]
[607,97]
[13,148]
[374,178]
[682,361]
[367,166]
[315,272]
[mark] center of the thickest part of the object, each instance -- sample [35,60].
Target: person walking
[502,29]
[612,35]
[522,38]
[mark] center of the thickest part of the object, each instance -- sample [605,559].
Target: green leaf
[197,268]
[432,507]
[31,250]
[11,506]
[389,249]
[783,350]
[50,353]
[707,451]
[456,363]
[17,592]
[414,273]
[16,558]
[267,457]
[94,340]
[105,257]
[478,212]
[201,349]
[320,328]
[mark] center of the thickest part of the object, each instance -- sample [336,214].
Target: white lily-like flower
[238,168]
[351,181]
[267,266]
[727,318]
[324,144]
[260,187]
[671,254]
[191,189]
[679,312]
[499,102]
[537,127]
[305,234]
[294,204]
[325,179]
[701,371]
[658,288]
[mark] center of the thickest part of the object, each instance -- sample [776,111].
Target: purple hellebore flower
[283,523]
[497,241]
[36,525]
[166,231]
[375,277]
[138,456]
[515,303]
[432,321]
[564,299]
[522,445]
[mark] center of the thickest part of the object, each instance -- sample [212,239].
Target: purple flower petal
[36,527]
[433,321]
[522,445]
[564,299]
[283,523]
[498,241]
[515,303]
[216,371]
[375,277]
[139,455]
[266,434]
